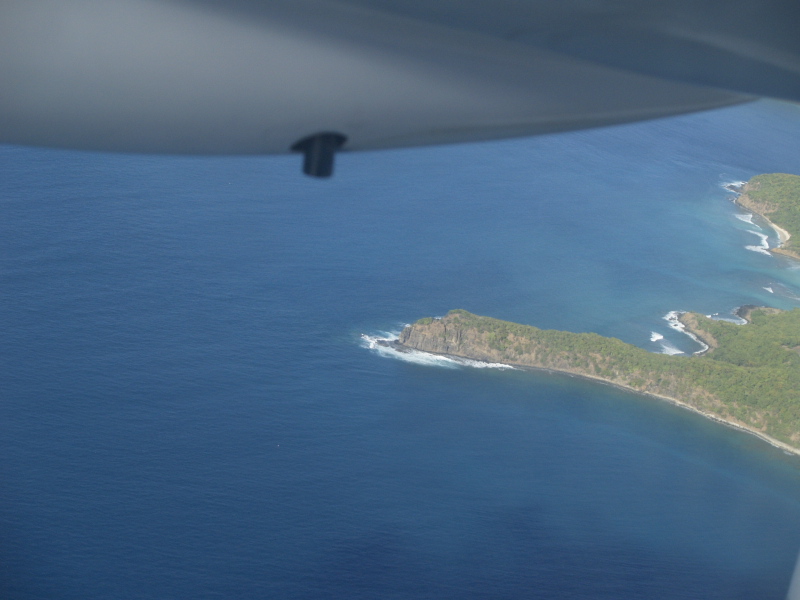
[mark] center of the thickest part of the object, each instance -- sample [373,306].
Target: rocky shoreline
[743,393]
[444,337]
[762,210]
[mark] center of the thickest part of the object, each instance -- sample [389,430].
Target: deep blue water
[188,411]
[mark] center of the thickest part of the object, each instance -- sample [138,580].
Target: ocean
[189,409]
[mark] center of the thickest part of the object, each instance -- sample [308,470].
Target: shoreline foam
[783,235]
[673,318]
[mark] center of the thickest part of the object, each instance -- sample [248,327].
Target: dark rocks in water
[743,312]
[394,345]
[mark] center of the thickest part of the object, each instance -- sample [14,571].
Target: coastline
[675,401]
[743,201]
[727,390]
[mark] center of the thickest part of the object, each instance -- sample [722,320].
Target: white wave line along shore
[763,247]
[672,318]
[747,218]
[378,343]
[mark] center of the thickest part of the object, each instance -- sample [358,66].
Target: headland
[776,198]
[749,377]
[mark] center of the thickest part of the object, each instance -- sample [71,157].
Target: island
[746,376]
[749,377]
[776,198]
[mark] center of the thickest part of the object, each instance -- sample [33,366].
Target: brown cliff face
[443,336]
[762,208]
[693,324]
[458,335]
[450,335]
[719,389]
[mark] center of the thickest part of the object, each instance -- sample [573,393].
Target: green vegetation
[777,197]
[751,376]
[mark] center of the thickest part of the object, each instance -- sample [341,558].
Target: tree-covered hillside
[779,194]
[751,376]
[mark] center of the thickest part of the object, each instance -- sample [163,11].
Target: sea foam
[763,247]
[672,319]
[667,348]
[734,187]
[664,345]
[747,218]
[376,343]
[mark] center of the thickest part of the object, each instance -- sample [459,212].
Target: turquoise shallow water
[188,409]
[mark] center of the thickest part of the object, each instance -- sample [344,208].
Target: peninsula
[748,378]
[776,197]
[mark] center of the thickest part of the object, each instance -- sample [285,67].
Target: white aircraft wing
[250,77]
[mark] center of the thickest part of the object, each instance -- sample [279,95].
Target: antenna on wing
[318,152]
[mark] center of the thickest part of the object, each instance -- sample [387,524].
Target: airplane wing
[315,76]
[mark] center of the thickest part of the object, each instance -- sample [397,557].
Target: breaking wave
[672,319]
[747,218]
[376,343]
[763,247]
[664,345]
[667,348]
[735,187]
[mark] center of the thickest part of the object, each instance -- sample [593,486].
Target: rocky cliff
[465,335]
[727,384]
